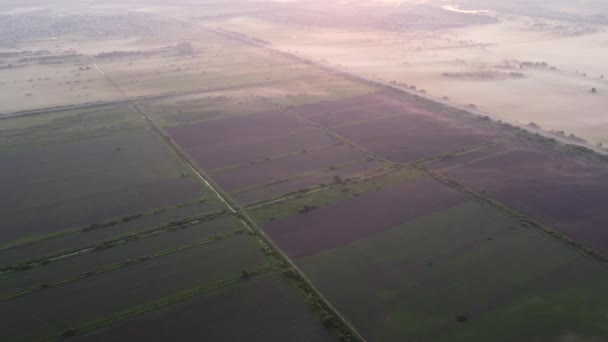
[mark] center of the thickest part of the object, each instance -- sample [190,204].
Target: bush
[69,333]
[462,319]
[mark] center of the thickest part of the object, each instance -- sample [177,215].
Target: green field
[328,194]
[61,242]
[266,308]
[74,304]
[466,273]
[128,249]
[124,174]
[69,125]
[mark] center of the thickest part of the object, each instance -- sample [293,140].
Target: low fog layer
[523,61]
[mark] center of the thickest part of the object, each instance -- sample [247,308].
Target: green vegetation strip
[163,302]
[527,221]
[264,212]
[301,176]
[95,226]
[171,226]
[458,153]
[125,263]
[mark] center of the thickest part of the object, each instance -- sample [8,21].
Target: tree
[593,90]
[245,275]
[338,180]
[69,333]
[307,208]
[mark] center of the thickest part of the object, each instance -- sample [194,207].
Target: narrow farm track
[237,210]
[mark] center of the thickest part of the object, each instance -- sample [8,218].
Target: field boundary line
[118,265]
[155,305]
[96,226]
[299,176]
[105,244]
[299,193]
[516,215]
[331,133]
[454,153]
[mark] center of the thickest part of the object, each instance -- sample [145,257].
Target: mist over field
[304,170]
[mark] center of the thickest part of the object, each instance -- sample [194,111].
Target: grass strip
[162,302]
[115,266]
[171,226]
[95,226]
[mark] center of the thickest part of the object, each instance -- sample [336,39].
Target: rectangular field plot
[175,109]
[186,109]
[271,171]
[310,182]
[352,110]
[328,227]
[88,236]
[456,160]
[566,194]
[253,308]
[465,273]
[42,81]
[241,140]
[79,183]
[68,125]
[100,297]
[398,128]
[214,63]
[92,260]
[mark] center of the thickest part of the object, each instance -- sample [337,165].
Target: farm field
[309,182]
[417,252]
[568,197]
[123,227]
[185,109]
[113,254]
[460,274]
[401,130]
[209,63]
[357,217]
[242,140]
[124,174]
[170,174]
[65,125]
[501,59]
[254,306]
[73,305]
[40,247]
[41,79]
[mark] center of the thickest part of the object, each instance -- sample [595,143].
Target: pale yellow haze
[558,99]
